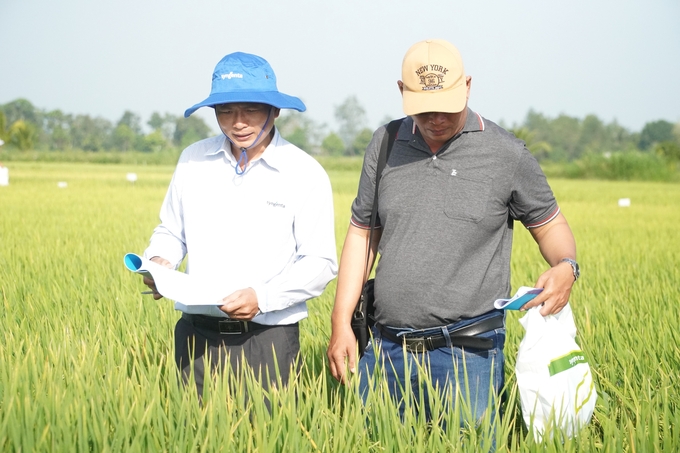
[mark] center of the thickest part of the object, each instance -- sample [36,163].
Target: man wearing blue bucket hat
[253,213]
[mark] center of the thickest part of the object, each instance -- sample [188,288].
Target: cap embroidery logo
[231,75]
[454,172]
[432,80]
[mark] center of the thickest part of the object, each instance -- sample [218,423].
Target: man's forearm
[303,280]
[555,240]
[351,275]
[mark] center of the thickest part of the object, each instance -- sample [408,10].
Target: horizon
[616,60]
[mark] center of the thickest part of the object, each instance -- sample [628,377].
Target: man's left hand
[241,304]
[556,283]
[556,241]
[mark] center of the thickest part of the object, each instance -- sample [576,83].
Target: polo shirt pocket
[466,199]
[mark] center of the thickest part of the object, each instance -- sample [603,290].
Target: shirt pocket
[466,199]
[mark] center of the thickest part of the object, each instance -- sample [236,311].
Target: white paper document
[176,285]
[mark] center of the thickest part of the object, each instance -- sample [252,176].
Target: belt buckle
[232,327]
[419,344]
[416,344]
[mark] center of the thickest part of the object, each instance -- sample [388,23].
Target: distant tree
[569,138]
[4,135]
[299,138]
[23,135]
[592,134]
[190,130]
[132,121]
[156,121]
[539,149]
[361,141]
[22,109]
[352,118]
[164,123]
[656,132]
[669,150]
[90,134]
[298,129]
[535,121]
[618,138]
[565,132]
[333,145]
[57,128]
[123,138]
[154,142]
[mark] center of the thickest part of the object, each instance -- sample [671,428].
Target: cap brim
[452,100]
[274,98]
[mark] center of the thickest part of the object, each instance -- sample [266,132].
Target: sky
[617,59]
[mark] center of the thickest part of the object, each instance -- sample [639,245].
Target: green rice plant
[86,361]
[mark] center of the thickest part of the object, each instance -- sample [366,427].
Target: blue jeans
[474,375]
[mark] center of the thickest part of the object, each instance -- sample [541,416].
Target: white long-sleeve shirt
[271,228]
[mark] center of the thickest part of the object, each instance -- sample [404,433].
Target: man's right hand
[150,282]
[342,353]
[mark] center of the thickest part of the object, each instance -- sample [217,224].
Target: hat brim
[274,98]
[452,100]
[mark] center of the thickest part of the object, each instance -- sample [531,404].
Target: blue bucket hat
[243,77]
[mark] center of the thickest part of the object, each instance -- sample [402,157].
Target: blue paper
[523,295]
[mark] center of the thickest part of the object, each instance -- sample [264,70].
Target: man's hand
[556,241]
[342,353]
[342,347]
[150,282]
[241,304]
[556,283]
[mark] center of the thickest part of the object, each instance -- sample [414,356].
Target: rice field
[86,361]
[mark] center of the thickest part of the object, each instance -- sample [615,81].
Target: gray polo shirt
[447,221]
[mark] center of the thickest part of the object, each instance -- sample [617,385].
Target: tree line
[567,138]
[562,139]
[25,127]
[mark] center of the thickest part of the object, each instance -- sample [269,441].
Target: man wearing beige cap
[453,185]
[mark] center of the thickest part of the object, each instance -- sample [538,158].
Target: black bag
[363,316]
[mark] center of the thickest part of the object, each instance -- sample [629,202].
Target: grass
[86,361]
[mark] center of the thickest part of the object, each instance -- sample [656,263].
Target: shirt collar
[272,158]
[473,123]
[269,156]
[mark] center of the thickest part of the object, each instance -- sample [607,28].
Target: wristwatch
[574,267]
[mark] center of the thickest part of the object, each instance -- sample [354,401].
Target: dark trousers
[265,350]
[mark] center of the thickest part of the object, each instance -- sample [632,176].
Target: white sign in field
[4,176]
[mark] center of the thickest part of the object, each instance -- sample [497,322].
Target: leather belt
[224,326]
[466,336]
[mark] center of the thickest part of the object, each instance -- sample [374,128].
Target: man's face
[242,122]
[437,128]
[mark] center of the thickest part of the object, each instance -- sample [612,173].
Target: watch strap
[574,267]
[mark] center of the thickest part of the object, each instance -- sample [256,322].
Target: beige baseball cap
[434,78]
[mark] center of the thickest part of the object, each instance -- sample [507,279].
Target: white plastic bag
[553,376]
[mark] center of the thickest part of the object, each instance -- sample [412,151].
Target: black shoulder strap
[385,149]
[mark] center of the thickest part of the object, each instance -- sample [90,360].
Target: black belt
[463,337]
[225,326]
